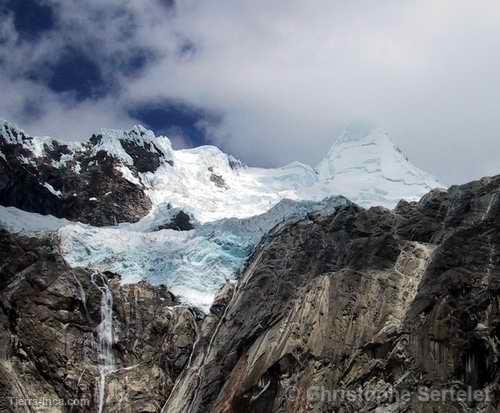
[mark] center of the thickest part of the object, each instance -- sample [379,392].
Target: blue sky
[268,81]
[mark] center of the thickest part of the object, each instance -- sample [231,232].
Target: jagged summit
[12,134]
[112,141]
[136,132]
[138,147]
[131,133]
[7,126]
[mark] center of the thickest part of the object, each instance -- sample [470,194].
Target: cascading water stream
[490,265]
[492,257]
[104,339]
[83,296]
[490,205]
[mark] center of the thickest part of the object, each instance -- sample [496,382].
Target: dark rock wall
[49,342]
[383,301]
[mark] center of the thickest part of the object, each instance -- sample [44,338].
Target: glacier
[232,206]
[192,264]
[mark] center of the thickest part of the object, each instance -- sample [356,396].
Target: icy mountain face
[363,165]
[206,183]
[193,264]
[187,218]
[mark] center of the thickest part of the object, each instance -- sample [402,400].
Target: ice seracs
[193,264]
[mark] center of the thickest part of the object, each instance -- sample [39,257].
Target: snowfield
[365,168]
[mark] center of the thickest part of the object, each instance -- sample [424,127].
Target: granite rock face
[387,303]
[71,334]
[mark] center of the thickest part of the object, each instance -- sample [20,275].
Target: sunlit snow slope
[365,167]
[362,165]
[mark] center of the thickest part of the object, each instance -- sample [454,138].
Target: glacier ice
[193,264]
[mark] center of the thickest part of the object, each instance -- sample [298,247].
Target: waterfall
[492,256]
[104,338]
[470,364]
[490,205]
[83,296]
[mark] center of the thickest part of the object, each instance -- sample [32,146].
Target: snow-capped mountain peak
[11,134]
[362,164]
[357,147]
[367,167]
[189,217]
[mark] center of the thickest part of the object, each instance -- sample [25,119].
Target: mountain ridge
[204,181]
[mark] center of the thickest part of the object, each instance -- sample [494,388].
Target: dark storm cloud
[186,124]
[31,17]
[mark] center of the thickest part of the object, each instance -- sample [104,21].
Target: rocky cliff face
[387,302]
[73,334]
[376,303]
[94,182]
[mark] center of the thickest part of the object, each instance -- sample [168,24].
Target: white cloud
[289,75]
